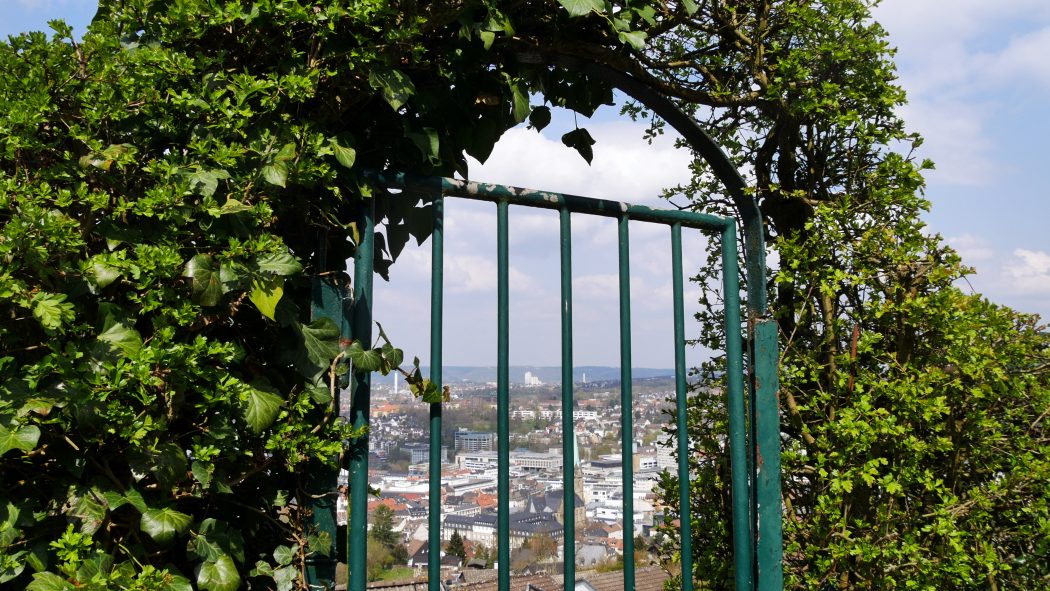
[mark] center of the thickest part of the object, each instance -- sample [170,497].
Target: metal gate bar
[744,519]
[361,401]
[437,294]
[568,431]
[626,402]
[681,411]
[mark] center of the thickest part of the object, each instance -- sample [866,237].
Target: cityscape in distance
[398,466]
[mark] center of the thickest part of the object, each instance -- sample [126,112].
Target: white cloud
[962,65]
[955,134]
[972,248]
[1028,273]
[625,167]
[474,273]
[1022,61]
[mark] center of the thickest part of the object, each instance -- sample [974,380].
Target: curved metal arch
[709,150]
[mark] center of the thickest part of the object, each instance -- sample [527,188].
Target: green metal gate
[754,431]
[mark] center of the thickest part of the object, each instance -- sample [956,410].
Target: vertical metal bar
[568,434]
[626,407]
[320,481]
[738,451]
[681,410]
[769,555]
[437,257]
[359,411]
[503,398]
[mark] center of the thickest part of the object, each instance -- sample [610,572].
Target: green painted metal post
[626,405]
[769,575]
[361,384]
[437,261]
[503,397]
[568,432]
[743,540]
[329,300]
[681,409]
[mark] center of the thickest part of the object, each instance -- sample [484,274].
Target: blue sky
[977,77]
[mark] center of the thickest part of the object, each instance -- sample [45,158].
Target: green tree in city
[455,546]
[382,529]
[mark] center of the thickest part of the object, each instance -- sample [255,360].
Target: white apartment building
[479,460]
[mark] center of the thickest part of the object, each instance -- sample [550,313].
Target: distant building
[418,452]
[665,457]
[532,380]
[471,441]
[536,462]
[479,460]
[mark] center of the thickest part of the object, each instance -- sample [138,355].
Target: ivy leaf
[487,38]
[205,182]
[86,505]
[276,174]
[267,294]
[22,438]
[262,406]
[580,140]
[540,118]
[48,581]
[104,274]
[364,359]
[520,98]
[428,391]
[134,498]
[320,542]
[345,156]
[164,524]
[635,39]
[394,85]
[122,337]
[279,263]
[318,346]
[206,289]
[319,394]
[582,7]
[202,472]
[214,539]
[285,554]
[220,575]
[285,577]
[230,276]
[690,7]
[52,310]
[392,356]
[233,206]
[286,153]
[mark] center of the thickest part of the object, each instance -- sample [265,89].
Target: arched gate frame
[756,560]
[752,403]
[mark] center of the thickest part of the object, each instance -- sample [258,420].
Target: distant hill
[546,374]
